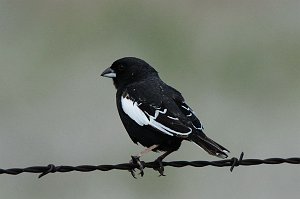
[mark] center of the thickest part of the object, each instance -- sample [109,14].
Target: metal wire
[233,162]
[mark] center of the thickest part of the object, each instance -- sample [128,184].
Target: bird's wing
[155,115]
[185,109]
[190,114]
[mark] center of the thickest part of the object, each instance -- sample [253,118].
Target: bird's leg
[135,160]
[160,168]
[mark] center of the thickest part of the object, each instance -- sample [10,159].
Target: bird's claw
[135,160]
[160,167]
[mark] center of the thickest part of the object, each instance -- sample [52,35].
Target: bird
[155,114]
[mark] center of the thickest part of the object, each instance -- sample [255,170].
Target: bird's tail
[208,145]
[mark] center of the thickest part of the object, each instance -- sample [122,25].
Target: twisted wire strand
[233,162]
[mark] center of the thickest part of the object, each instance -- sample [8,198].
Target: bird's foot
[135,160]
[160,167]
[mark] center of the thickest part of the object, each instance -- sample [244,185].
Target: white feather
[173,118]
[134,112]
[186,108]
[132,109]
[162,127]
[199,128]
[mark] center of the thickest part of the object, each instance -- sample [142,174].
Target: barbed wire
[233,162]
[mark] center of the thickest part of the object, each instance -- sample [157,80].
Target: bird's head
[127,70]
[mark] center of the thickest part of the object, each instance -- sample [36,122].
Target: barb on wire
[233,162]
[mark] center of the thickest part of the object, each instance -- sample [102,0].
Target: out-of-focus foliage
[236,62]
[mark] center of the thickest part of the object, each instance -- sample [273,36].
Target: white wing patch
[132,109]
[190,113]
[134,112]
[173,118]
[186,108]
[199,128]
[162,127]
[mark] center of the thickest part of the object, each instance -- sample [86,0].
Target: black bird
[155,114]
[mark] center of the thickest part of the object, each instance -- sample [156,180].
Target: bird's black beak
[110,73]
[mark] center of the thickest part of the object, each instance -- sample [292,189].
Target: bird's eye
[121,67]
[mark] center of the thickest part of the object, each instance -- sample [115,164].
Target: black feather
[154,113]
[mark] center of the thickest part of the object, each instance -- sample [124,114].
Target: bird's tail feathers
[209,145]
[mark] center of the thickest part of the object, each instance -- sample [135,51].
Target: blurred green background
[236,62]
